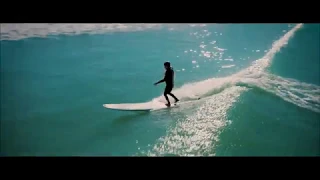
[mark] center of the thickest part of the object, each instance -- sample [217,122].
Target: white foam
[228,66]
[19,31]
[301,94]
[26,30]
[219,49]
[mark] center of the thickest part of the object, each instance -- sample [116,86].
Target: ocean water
[259,86]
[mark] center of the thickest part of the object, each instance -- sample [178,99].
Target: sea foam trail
[301,94]
[197,134]
[255,76]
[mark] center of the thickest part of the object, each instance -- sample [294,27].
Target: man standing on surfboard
[169,79]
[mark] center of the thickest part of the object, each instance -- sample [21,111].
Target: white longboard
[130,106]
[146,106]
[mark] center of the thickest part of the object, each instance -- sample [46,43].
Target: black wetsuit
[169,80]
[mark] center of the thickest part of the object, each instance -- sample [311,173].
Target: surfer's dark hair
[167,63]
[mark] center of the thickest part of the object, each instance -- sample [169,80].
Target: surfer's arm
[161,81]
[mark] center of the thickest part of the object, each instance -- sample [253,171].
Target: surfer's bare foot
[176,100]
[168,105]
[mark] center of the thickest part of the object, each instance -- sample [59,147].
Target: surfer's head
[166,65]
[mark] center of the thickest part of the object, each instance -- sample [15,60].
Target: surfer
[169,79]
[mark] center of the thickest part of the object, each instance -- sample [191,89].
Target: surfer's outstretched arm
[161,81]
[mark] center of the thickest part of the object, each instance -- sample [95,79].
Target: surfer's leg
[175,98]
[169,89]
[165,93]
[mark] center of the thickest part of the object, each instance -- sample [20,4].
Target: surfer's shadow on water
[129,117]
[139,115]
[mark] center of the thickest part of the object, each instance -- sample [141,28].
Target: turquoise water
[259,86]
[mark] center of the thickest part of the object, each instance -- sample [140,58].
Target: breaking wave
[43,30]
